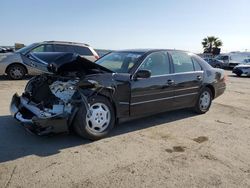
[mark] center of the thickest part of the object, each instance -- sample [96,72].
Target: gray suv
[12,64]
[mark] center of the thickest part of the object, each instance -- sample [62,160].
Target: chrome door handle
[199,77]
[170,82]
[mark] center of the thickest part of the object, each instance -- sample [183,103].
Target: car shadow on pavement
[16,142]
[5,77]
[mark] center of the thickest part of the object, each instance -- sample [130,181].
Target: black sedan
[91,97]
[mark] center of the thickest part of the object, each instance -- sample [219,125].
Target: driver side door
[153,94]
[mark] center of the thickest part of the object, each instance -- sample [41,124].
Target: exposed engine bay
[53,97]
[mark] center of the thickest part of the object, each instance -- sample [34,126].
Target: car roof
[66,43]
[147,50]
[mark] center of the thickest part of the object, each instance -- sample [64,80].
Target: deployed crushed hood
[60,62]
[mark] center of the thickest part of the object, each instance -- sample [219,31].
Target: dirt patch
[200,139]
[176,149]
[219,121]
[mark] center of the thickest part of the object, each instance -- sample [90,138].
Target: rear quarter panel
[216,78]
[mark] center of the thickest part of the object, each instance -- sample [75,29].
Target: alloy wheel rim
[16,72]
[98,117]
[205,99]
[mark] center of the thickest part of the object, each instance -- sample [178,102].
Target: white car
[12,64]
[242,69]
[232,59]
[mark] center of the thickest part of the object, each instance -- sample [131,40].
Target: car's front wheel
[96,122]
[204,101]
[16,71]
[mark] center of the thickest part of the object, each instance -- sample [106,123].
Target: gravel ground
[173,149]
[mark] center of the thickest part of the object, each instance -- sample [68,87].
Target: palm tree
[211,43]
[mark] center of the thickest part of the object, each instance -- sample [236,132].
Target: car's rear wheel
[16,71]
[97,122]
[204,101]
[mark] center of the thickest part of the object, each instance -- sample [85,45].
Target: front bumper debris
[31,117]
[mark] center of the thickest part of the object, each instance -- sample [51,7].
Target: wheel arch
[211,87]
[17,63]
[108,96]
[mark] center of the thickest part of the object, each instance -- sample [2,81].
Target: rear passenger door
[188,77]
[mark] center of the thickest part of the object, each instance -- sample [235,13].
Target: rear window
[63,48]
[83,50]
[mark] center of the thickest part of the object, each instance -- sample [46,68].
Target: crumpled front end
[51,100]
[48,104]
[35,120]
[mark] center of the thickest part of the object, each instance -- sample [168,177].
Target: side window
[63,48]
[197,66]
[43,48]
[48,48]
[38,49]
[182,62]
[83,51]
[157,63]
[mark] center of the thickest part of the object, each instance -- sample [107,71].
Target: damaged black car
[90,98]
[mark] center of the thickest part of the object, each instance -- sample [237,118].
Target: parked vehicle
[233,59]
[91,97]
[242,69]
[3,50]
[12,64]
[215,62]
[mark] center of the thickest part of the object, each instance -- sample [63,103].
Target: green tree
[211,43]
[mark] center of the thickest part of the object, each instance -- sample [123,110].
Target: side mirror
[142,74]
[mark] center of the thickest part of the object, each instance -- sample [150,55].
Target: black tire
[82,128]
[238,74]
[201,108]
[20,70]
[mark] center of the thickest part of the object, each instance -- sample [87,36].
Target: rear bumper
[220,90]
[40,125]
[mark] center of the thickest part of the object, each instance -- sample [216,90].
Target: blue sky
[123,24]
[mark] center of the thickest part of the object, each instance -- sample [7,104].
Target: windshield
[26,48]
[120,62]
